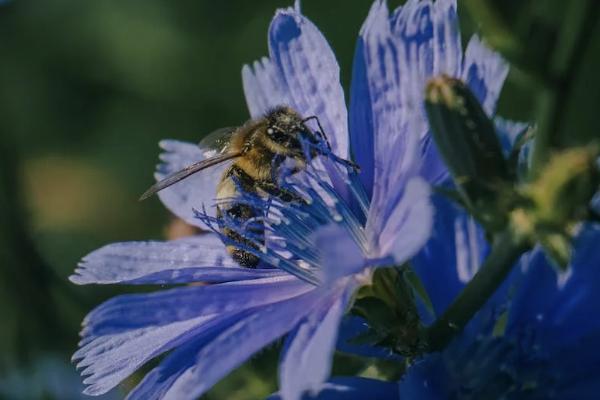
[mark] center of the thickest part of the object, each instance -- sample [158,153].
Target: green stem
[505,251]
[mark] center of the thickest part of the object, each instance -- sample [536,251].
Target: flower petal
[427,380]
[110,359]
[409,225]
[306,363]
[365,87]
[451,256]
[560,308]
[395,141]
[509,132]
[158,381]
[198,258]
[388,114]
[413,28]
[361,118]
[134,311]
[311,74]
[194,192]
[394,59]
[447,47]
[484,71]
[352,388]
[338,253]
[264,87]
[191,372]
[433,167]
[431,45]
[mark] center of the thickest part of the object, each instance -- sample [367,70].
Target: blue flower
[324,249]
[536,338]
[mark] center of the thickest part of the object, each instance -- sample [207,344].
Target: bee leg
[348,163]
[241,212]
[281,193]
[320,132]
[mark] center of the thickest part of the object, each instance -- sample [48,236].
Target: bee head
[286,130]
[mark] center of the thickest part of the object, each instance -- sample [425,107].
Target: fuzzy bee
[257,150]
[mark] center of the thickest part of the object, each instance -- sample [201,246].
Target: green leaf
[419,290]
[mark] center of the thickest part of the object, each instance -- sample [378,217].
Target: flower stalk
[506,250]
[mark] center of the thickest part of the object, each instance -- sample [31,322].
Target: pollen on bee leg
[244,258]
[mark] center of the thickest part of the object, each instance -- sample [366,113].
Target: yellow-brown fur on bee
[257,149]
[263,145]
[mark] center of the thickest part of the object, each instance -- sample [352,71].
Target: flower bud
[466,139]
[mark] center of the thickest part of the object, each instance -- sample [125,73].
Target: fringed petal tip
[484,70]
[295,12]
[264,87]
[377,20]
[306,63]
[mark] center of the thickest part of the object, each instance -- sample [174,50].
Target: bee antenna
[321,131]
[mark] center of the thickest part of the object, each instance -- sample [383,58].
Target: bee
[257,151]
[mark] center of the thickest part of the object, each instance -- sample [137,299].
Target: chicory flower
[324,249]
[535,338]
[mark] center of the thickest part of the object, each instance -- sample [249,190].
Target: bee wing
[218,140]
[187,171]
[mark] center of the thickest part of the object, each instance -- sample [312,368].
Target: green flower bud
[466,139]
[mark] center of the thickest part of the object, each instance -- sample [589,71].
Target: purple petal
[447,47]
[561,309]
[338,252]
[409,225]
[395,141]
[430,37]
[264,87]
[197,372]
[306,363]
[158,381]
[433,167]
[394,59]
[353,388]
[201,258]
[373,33]
[429,44]
[451,256]
[413,27]
[110,359]
[311,74]
[427,380]
[484,71]
[361,119]
[194,192]
[134,311]
[508,132]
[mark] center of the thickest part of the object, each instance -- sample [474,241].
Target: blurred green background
[88,88]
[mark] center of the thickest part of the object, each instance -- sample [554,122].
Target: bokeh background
[88,88]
